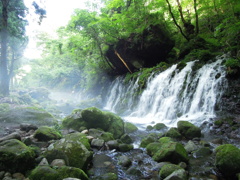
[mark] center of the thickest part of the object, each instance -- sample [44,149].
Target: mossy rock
[171,151]
[15,156]
[168,169]
[77,149]
[227,160]
[152,148]
[188,130]
[45,133]
[147,140]
[173,133]
[99,134]
[164,140]
[108,176]
[126,139]
[47,173]
[95,118]
[159,126]
[125,147]
[129,127]
[29,115]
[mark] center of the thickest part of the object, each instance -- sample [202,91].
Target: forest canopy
[124,36]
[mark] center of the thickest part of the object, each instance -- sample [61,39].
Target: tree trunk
[196,16]
[175,22]
[4,78]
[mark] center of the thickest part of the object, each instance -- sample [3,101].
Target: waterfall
[172,95]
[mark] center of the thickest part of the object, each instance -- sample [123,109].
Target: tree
[12,28]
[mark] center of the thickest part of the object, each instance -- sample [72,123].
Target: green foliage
[232,63]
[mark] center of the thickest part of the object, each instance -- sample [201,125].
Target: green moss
[218,122]
[181,65]
[227,159]
[188,130]
[65,172]
[145,141]
[129,127]
[15,156]
[159,126]
[152,148]
[4,107]
[46,133]
[173,133]
[44,173]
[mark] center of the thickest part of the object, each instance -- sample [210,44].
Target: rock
[99,134]
[134,171]
[27,127]
[56,154]
[190,146]
[168,169]
[45,133]
[227,160]
[179,174]
[71,179]
[47,173]
[202,152]
[58,162]
[125,147]
[152,148]
[173,133]
[15,156]
[44,162]
[149,128]
[75,147]
[129,127]
[126,139]
[147,140]
[188,130]
[2,174]
[95,118]
[18,176]
[124,161]
[113,144]
[159,126]
[14,135]
[108,176]
[170,151]
[97,143]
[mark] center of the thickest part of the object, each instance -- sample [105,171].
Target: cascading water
[172,95]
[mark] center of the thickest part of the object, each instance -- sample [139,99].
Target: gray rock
[180,174]
[18,176]
[190,147]
[124,161]
[44,162]
[97,143]
[27,127]
[58,162]
[14,135]
[113,144]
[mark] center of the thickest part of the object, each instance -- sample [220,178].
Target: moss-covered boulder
[95,118]
[159,126]
[147,140]
[173,133]
[168,169]
[125,147]
[15,156]
[99,134]
[45,133]
[227,160]
[30,115]
[47,173]
[188,130]
[129,127]
[173,152]
[126,139]
[76,147]
[152,148]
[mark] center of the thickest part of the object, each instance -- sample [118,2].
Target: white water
[171,95]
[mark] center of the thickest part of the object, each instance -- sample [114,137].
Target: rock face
[15,156]
[75,147]
[140,50]
[46,133]
[228,160]
[95,118]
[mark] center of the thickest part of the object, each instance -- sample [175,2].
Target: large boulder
[15,156]
[227,160]
[188,130]
[75,147]
[45,133]
[95,118]
[173,152]
[168,169]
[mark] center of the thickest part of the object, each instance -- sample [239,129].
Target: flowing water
[171,95]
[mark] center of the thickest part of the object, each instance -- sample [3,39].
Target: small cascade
[172,95]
